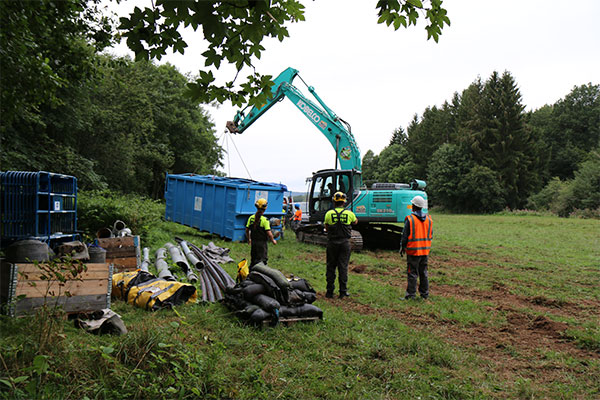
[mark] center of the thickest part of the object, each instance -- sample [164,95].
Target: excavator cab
[324,184]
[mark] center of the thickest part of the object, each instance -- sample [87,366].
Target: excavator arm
[336,130]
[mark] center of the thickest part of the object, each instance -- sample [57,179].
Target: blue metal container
[38,205]
[219,205]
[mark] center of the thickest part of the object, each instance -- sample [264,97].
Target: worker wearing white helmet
[416,242]
[258,232]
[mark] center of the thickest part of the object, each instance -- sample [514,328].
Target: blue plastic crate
[219,205]
[40,205]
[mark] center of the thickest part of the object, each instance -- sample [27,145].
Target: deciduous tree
[234,32]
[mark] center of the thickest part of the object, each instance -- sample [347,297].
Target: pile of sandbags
[267,295]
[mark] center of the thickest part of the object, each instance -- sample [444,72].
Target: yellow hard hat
[339,196]
[261,204]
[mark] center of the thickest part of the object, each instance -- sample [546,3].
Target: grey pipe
[180,260]
[118,226]
[146,262]
[192,258]
[124,232]
[162,267]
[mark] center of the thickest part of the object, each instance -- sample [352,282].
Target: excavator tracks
[367,236]
[315,235]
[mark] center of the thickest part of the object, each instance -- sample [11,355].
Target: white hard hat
[419,201]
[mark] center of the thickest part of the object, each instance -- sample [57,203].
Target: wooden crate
[90,293]
[123,252]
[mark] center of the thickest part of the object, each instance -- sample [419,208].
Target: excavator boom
[322,117]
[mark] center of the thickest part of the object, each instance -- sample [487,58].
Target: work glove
[402,251]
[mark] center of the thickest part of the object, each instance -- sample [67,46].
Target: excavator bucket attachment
[231,126]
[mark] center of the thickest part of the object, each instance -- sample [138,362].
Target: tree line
[481,152]
[114,123]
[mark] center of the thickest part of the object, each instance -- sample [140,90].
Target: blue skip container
[219,205]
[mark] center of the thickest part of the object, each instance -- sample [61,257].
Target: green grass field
[513,314]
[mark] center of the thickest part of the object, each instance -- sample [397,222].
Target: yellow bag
[122,282]
[157,294]
[243,270]
[144,290]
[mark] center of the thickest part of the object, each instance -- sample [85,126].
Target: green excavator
[380,209]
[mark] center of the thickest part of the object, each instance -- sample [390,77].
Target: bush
[482,190]
[577,197]
[100,209]
[585,187]
[550,197]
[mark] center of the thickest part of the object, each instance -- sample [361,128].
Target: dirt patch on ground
[359,269]
[515,349]
[313,257]
[500,295]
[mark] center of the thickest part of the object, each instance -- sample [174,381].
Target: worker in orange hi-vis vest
[416,242]
[297,217]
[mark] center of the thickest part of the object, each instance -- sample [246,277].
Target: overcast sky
[377,79]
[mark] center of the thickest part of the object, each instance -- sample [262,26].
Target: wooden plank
[76,288]
[86,276]
[31,272]
[121,252]
[125,241]
[119,268]
[90,267]
[69,304]
[123,262]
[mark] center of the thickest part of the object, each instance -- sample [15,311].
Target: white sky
[377,79]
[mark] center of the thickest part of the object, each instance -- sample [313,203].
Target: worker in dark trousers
[297,217]
[416,242]
[258,232]
[339,230]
